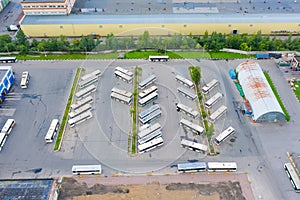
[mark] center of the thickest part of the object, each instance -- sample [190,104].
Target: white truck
[12,28]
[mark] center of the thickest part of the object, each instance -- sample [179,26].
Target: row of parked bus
[81,109]
[209,166]
[5,131]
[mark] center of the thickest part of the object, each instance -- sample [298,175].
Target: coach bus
[213,100]
[24,80]
[293,176]
[8,59]
[3,138]
[149,130]
[151,117]
[152,144]
[194,146]
[96,73]
[8,126]
[191,167]
[82,102]
[149,137]
[86,169]
[148,99]
[148,81]
[80,118]
[184,81]
[187,110]
[122,92]
[80,110]
[124,71]
[87,82]
[86,91]
[148,111]
[218,113]
[121,98]
[158,58]
[52,131]
[123,77]
[186,93]
[221,166]
[148,91]
[211,85]
[224,135]
[193,127]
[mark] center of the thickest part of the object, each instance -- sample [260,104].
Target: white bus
[145,126]
[82,102]
[123,77]
[124,71]
[158,58]
[149,130]
[148,111]
[121,98]
[221,166]
[24,80]
[149,137]
[86,169]
[80,110]
[3,138]
[86,91]
[148,119]
[211,85]
[54,126]
[148,99]
[193,146]
[148,91]
[224,135]
[87,82]
[213,100]
[187,110]
[152,144]
[186,93]
[193,127]
[8,59]
[184,81]
[218,113]
[148,81]
[8,126]
[96,73]
[122,92]
[191,167]
[293,176]
[80,118]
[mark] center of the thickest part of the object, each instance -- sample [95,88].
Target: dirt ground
[73,190]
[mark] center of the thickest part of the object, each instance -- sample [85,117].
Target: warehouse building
[162,25]
[6,80]
[265,107]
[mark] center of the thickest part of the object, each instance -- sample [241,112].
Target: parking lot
[258,149]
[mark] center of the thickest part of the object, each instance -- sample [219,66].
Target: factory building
[265,107]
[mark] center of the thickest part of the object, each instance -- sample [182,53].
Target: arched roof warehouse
[257,90]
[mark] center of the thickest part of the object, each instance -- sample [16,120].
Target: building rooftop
[161,19]
[42,1]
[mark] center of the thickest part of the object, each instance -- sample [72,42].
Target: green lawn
[193,54]
[68,56]
[146,54]
[297,91]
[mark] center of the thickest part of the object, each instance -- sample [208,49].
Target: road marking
[7,111]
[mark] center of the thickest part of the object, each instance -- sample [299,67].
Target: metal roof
[161,18]
[259,93]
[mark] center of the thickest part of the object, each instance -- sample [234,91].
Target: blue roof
[161,19]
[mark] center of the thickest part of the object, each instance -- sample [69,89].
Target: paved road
[10,15]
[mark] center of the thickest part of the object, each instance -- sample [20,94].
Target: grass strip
[287,116]
[133,111]
[65,116]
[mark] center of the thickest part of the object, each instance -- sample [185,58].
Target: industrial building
[47,7]
[6,80]
[3,4]
[265,107]
[76,25]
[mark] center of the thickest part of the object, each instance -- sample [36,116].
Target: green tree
[21,38]
[195,74]
[244,47]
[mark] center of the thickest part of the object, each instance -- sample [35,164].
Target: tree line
[213,42]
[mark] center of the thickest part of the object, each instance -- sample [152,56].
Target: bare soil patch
[73,190]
